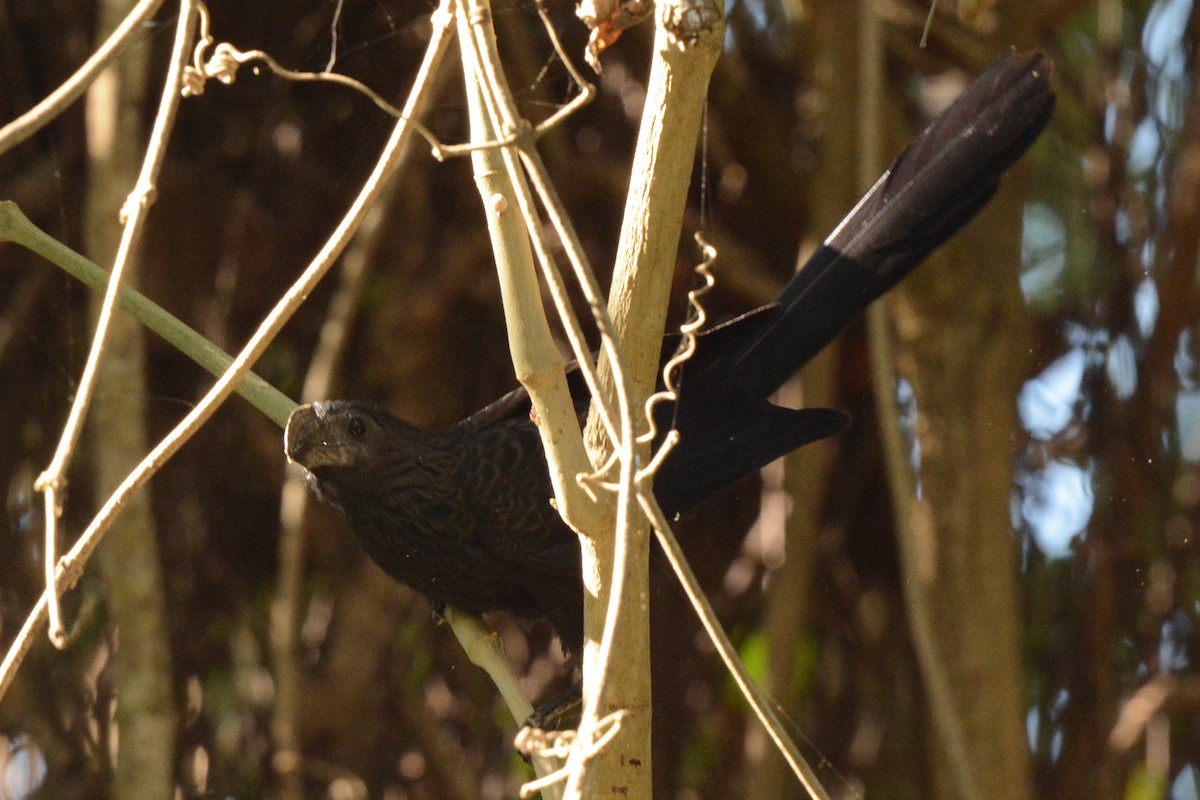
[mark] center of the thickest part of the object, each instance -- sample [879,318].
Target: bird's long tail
[933,188]
[937,185]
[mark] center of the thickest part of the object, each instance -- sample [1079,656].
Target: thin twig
[15,227]
[536,176]
[504,111]
[69,91]
[333,35]
[504,114]
[758,701]
[536,360]
[332,340]
[928,24]
[225,59]
[22,643]
[587,93]
[623,440]
[481,68]
[641,283]
[71,565]
[493,111]
[484,650]
[52,481]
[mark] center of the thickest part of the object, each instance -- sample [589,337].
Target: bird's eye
[357,426]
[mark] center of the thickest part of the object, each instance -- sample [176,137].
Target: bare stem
[646,255]
[758,701]
[484,650]
[71,566]
[537,363]
[505,118]
[16,227]
[535,358]
[69,91]
[52,481]
[502,109]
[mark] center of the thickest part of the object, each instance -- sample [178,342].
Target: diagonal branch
[69,91]
[53,480]
[758,700]
[482,66]
[16,227]
[71,566]
[504,116]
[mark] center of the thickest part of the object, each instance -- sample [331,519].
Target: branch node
[140,199]
[49,480]
[687,21]
[58,637]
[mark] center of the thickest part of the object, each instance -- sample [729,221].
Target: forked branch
[71,565]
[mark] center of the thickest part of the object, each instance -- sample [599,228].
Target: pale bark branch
[52,481]
[69,91]
[537,363]
[15,227]
[71,565]
[646,254]
[478,36]
[759,702]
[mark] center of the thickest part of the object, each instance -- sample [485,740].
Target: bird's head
[331,433]
[340,443]
[357,456]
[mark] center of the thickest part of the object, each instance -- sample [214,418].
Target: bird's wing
[504,475]
[711,345]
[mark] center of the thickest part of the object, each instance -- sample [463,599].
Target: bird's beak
[296,439]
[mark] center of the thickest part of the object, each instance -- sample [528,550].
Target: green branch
[16,227]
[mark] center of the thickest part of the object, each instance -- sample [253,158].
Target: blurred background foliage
[1047,374]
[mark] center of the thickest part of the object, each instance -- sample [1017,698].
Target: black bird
[463,516]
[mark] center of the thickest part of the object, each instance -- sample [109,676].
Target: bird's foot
[562,709]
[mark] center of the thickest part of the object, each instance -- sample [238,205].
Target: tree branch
[48,110]
[71,566]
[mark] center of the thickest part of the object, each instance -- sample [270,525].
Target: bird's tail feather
[935,186]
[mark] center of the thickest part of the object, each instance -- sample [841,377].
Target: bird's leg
[549,716]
